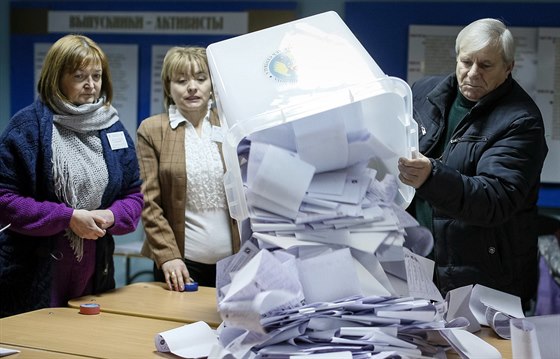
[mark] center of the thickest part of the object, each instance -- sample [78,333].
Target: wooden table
[489,336]
[153,300]
[66,331]
[30,353]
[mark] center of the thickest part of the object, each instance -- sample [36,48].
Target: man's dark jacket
[484,187]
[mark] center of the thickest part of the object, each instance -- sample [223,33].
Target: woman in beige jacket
[185,216]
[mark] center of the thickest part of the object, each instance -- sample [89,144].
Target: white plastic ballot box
[310,69]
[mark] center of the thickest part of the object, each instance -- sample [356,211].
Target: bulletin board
[383,29]
[135,36]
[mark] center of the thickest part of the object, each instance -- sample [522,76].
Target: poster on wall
[123,62]
[548,99]
[156,99]
[431,51]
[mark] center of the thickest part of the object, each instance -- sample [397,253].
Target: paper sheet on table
[399,285]
[368,282]
[370,262]
[469,346]
[458,306]
[547,328]
[499,321]
[334,355]
[226,267]
[482,297]
[266,284]
[255,313]
[263,272]
[524,342]
[391,258]
[5,351]
[329,276]
[188,341]
[419,274]
[280,182]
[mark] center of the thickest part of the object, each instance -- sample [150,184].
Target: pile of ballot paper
[263,319]
[333,266]
[333,263]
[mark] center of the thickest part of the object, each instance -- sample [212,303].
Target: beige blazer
[161,156]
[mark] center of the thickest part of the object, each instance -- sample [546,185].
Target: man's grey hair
[481,33]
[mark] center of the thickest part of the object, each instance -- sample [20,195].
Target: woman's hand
[176,274]
[108,218]
[85,224]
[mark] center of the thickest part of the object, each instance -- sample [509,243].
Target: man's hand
[414,172]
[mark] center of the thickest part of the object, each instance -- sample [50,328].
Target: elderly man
[477,178]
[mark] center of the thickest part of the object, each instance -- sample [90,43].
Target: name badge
[217,134]
[117,140]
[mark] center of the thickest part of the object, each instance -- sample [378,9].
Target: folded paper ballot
[524,339]
[535,337]
[188,341]
[7,351]
[483,297]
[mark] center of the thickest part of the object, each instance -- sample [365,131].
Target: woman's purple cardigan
[37,217]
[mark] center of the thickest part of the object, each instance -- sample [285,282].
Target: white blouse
[207,221]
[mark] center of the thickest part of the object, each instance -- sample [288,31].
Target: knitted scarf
[79,170]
